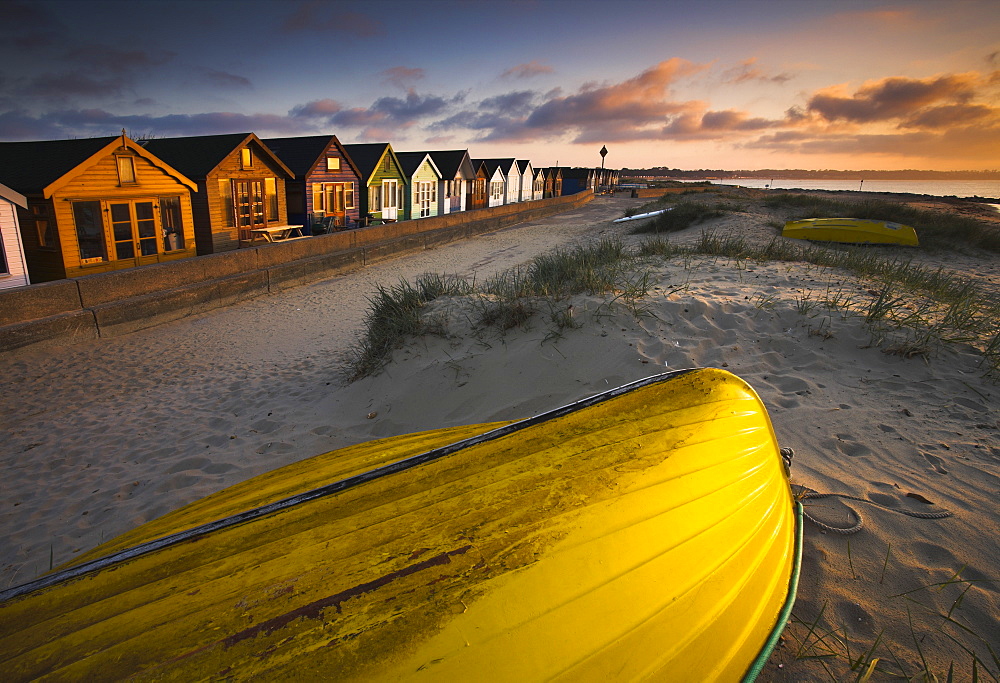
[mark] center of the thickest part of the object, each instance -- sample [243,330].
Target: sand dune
[105,435]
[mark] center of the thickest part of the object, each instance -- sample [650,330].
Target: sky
[712,84]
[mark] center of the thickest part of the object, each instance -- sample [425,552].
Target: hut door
[390,200]
[134,227]
[248,196]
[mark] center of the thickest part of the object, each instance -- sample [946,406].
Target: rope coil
[805,493]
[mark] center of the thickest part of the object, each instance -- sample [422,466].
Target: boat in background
[851,231]
[645,532]
[640,216]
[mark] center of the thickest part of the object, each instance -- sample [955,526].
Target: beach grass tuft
[682,215]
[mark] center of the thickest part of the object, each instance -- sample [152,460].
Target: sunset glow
[716,84]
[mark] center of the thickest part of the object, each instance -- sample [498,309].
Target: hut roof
[30,167]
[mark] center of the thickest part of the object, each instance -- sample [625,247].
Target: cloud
[892,98]
[949,116]
[324,17]
[513,102]
[112,60]
[401,112]
[64,123]
[528,70]
[316,109]
[222,79]
[401,76]
[29,26]
[60,87]
[747,72]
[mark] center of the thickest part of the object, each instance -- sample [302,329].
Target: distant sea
[939,188]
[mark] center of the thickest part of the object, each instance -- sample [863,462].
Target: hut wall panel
[15,274]
[424,174]
[345,174]
[100,182]
[224,237]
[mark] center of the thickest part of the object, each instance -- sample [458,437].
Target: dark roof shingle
[29,167]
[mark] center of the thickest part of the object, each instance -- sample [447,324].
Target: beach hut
[504,180]
[324,189]
[13,269]
[527,180]
[384,184]
[576,180]
[479,198]
[240,187]
[96,205]
[538,183]
[457,177]
[423,177]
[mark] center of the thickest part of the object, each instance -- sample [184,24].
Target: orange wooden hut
[97,204]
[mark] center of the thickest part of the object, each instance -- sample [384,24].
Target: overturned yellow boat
[851,231]
[646,532]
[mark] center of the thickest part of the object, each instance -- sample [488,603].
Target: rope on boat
[804,493]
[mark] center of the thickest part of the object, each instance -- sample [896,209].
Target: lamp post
[604,153]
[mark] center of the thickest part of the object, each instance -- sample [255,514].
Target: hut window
[271,190]
[170,221]
[375,198]
[385,165]
[126,170]
[226,197]
[333,163]
[89,231]
[46,238]
[333,197]
[246,158]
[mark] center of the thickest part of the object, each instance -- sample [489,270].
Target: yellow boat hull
[645,532]
[851,231]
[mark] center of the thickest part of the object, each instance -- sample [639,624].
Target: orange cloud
[893,98]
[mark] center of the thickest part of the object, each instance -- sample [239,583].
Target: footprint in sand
[935,462]
[848,446]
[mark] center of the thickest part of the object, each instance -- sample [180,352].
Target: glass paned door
[390,194]
[248,196]
[133,226]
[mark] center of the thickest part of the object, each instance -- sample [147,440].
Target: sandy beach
[104,435]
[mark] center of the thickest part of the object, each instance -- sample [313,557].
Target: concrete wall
[119,302]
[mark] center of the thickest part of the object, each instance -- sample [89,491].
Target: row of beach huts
[70,208]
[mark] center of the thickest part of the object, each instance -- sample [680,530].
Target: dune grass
[504,301]
[911,310]
[681,215]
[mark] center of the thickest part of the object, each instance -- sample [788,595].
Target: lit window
[246,158]
[126,170]
[271,191]
[333,163]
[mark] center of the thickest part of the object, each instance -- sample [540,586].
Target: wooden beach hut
[479,199]
[538,184]
[504,179]
[13,269]
[423,177]
[240,186]
[382,179]
[325,185]
[577,180]
[457,176]
[96,205]
[527,180]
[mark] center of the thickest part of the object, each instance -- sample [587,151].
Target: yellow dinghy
[645,532]
[851,231]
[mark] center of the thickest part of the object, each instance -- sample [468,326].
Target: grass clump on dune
[506,300]
[683,215]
